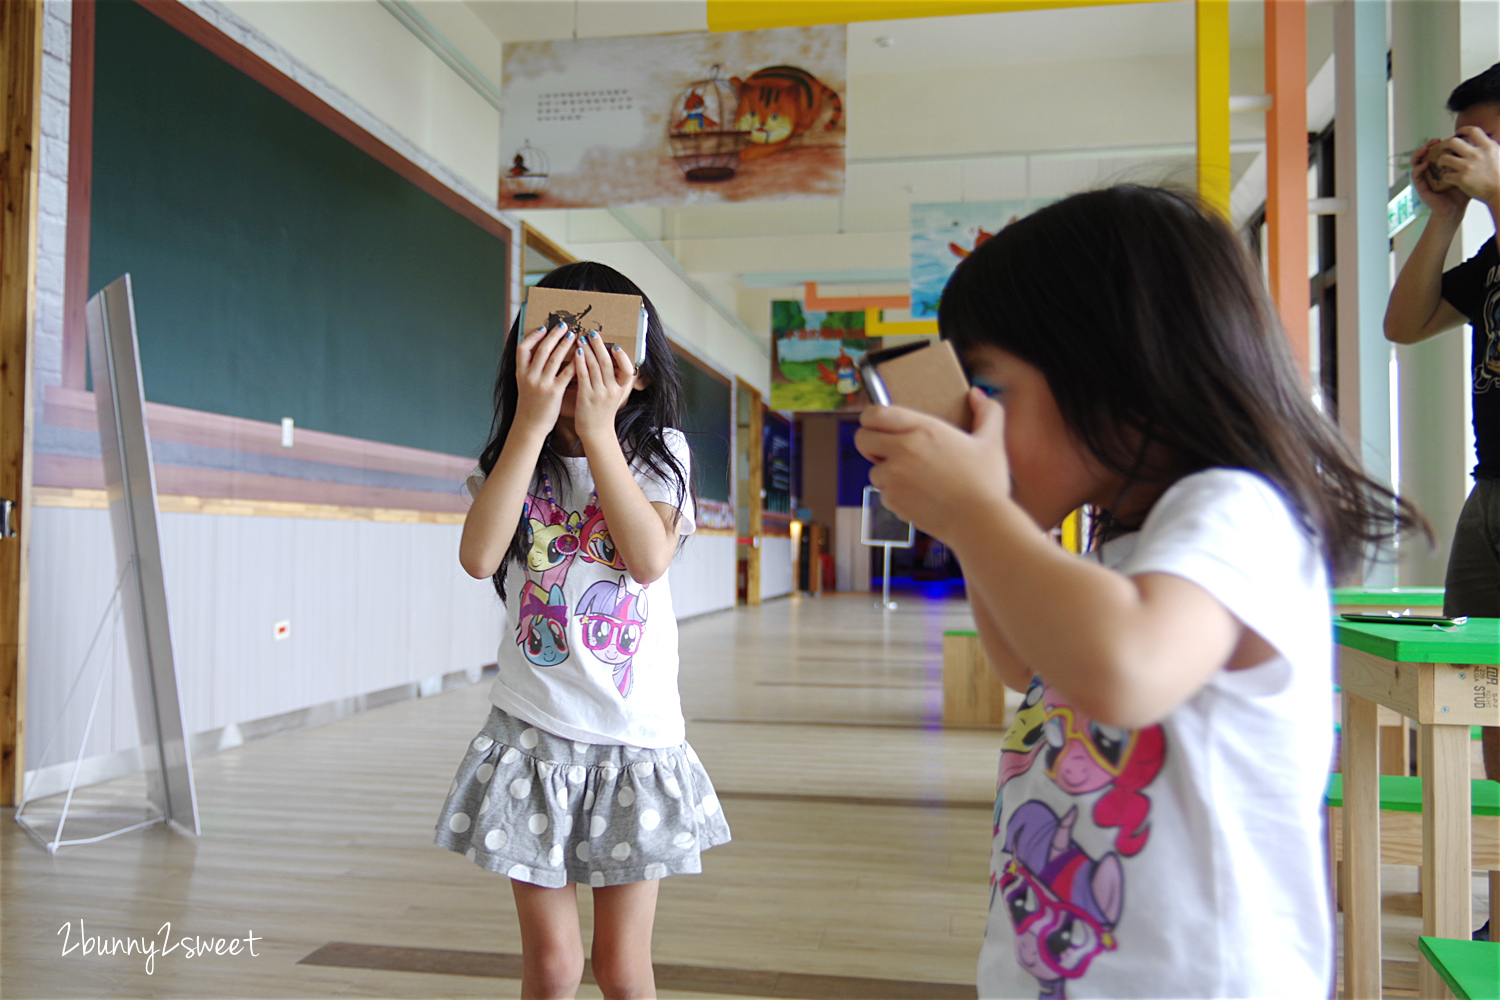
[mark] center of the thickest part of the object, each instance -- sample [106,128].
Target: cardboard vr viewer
[619,319]
[925,376]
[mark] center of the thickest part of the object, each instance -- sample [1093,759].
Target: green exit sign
[1402,211]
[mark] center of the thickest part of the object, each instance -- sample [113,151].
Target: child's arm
[644,532]
[543,370]
[1124,650]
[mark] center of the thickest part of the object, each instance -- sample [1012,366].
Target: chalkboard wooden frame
[80,165]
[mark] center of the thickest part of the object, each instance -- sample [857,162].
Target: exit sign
[1402,211]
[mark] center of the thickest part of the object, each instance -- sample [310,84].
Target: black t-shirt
[1473,288]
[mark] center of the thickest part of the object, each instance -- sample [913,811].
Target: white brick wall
[52,195]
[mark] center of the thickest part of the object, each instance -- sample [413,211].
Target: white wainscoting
[776,577]
[372,606]
[702,575]
[851,558]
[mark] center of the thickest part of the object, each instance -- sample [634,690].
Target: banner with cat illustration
[688,118]
[944,233]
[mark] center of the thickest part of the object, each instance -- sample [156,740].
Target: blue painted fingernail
[593,334]
[567,335]
[580,352]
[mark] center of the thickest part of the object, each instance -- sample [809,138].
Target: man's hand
[1472,162]
[1449,201]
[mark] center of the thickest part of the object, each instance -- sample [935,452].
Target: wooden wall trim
[545,247]
[211,38]
[20,119]
[192,25]
[75,409]
[174,503]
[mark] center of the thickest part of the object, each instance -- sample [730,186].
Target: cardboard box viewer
[619,319]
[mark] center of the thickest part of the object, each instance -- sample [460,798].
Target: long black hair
[1156,336]
[641,423]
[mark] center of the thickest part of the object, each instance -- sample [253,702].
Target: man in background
[1427,301]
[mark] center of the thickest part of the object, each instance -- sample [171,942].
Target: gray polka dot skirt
[542,809]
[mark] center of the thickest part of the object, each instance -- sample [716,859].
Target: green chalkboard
[705,421]
[279,270]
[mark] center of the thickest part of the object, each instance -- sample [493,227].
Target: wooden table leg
[1395,756]
[1361,765]
[1446,849]
[1494,901]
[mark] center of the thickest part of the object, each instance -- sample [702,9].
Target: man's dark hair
[1481,89]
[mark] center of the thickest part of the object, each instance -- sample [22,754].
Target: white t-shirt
[587,653]
[1185,859]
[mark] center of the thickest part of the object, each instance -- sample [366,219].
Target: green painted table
[1471,969]
[1445,680]
[1375,600]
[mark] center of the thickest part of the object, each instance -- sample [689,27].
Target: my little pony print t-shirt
[586,652]
[1185,859]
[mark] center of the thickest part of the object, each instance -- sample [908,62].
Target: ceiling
[1029,104]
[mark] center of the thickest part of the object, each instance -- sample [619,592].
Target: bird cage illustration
[701,129]
[526,177]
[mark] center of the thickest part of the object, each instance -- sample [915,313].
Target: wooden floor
[858,868]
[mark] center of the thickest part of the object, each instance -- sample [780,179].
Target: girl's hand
[1449,202]
[606,377]
[931,473]
[542,373]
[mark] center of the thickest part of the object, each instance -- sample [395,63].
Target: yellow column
[1212,27]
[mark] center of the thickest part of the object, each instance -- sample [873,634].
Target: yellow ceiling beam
[752,15]
[876,326]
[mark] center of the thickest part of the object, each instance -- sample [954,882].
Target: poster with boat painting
[689,118]
[944,233]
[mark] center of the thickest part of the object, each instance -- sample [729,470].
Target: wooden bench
[1401,831]
[1401,821]
[973,694]
[1471,969]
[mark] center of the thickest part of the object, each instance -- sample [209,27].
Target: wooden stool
[973,694]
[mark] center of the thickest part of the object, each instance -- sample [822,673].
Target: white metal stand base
[151,813]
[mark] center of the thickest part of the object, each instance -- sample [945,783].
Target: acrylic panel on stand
[689,118]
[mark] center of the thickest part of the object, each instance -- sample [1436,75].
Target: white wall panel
[776,567]
[371,605]
[323,654]
[702,575]
[851,557]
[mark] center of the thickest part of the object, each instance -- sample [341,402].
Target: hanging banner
[944,233]
[815,358]
[689,118]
